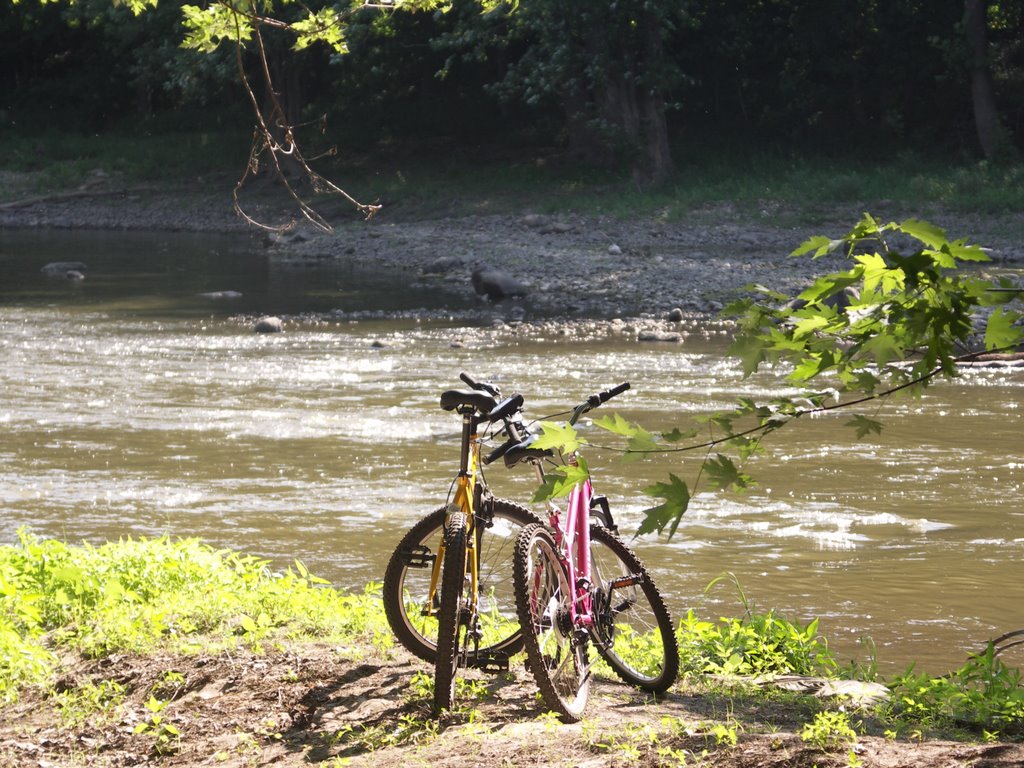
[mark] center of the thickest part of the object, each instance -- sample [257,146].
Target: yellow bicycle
[448,591]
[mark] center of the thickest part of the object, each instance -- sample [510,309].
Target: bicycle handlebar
[603,397]
[596,399]
[505,408]
[483,386]
[509,411]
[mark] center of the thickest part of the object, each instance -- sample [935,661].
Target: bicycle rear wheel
[633,631]
[450,614]
[557,654]
[407,580]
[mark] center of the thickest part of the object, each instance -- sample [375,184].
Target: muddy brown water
[134,407]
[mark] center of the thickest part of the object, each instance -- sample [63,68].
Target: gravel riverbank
[567,265]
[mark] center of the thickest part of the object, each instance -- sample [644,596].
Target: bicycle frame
[572,535]
[466,500]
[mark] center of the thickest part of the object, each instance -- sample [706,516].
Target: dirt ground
[362,707]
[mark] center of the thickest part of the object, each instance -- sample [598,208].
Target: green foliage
[24,660]
[88,700]
[135,595]
[758,644]
[829,731]
[559,481]
[893,320]
[560,437]
[206,27]
[166,736]
[670,513]
[984,696]
[361,738]
[541,58]
[237,22]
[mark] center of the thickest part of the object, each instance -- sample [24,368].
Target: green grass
[59,161]
[139,595]
[449,179]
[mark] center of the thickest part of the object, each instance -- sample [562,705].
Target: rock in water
[65,270]
[269,325]
[496,284]
[221,295]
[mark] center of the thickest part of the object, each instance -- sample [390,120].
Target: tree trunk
[619,116]
[986,115]
[582,144]
[656,164]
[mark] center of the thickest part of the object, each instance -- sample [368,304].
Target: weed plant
[184,596]
[829,731]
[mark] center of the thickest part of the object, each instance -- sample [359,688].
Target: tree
[901,317]
[993,137]
[607,67]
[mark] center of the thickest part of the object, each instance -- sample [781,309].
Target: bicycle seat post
[469,425]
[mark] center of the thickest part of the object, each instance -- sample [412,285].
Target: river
[133,406]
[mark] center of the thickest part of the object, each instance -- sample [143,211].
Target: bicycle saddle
[454,398]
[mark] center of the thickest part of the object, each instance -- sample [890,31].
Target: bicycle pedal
[633,580]
[494,663]
[418,557]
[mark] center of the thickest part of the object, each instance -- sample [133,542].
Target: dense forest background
[632,85]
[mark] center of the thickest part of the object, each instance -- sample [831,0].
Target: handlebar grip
[482,386]
[608,394]
[603,397]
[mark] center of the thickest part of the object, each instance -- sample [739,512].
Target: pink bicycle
[579,587]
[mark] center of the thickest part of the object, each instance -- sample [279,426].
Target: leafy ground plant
[829,731]
[984,696]
[759,644]
[756,644]
[344,701]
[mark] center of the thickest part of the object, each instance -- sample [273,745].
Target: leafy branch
[243,23]
[892,323]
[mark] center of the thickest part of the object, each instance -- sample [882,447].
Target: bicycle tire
[633,630]
[449,615]
[556,653]
[407,581]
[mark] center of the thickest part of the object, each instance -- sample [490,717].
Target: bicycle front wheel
[555,650]
[406,589]
[450,614]
[633,630]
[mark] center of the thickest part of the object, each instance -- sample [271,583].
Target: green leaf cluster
[903,311]
[894,319]
[237,21]
[559,481]
[829,731]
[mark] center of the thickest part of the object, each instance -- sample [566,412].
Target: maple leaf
[677,499]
